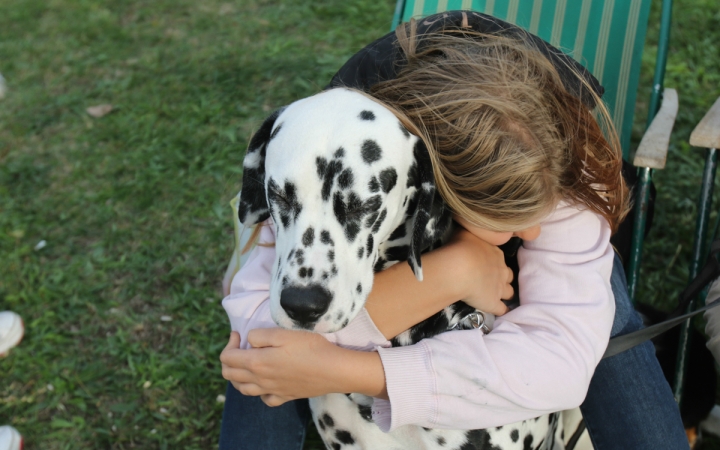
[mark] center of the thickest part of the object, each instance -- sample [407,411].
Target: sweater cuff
[360,334]
[410,387]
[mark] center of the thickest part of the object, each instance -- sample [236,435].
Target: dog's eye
[275,196]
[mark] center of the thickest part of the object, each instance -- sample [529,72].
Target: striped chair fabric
[606,36]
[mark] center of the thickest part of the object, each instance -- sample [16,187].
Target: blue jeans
[629,404]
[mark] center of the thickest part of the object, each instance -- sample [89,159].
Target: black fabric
[382,59]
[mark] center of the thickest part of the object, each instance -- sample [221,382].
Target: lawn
[122,304]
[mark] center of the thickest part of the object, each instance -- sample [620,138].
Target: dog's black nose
[305,305]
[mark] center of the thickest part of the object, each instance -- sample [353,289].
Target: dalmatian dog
[352,192]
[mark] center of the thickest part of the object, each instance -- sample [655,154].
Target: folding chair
[607,37]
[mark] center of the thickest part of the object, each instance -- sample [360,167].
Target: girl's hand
[480,271]
[285,365]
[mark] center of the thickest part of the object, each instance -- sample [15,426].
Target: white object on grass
[11,331]
[10,439]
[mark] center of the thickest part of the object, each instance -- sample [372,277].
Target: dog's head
[340,177]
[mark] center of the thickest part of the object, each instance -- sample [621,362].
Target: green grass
[133,205]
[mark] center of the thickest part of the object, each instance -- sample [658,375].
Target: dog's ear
[431,216]
[253,207]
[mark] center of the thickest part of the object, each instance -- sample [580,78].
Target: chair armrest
[707,133]
[653,148]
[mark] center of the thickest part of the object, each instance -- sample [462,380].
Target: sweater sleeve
[539,358]
[246,305]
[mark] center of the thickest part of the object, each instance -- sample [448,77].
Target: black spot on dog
[336,446]
[351,231]
[290,255]
[388,179]
[325,238]
[515,435]
[328,420]
[346,178]
[339,316]
[301,261]
[339,208]
[361,253]
[370,151]
[344,437]
[302,273]
[333,168]
[321,166]
[427,429]
[358,288]
[371,219]
[285,281]
[321,424]
[379,265]
[325,275]
[405,201]
[299,253]
[365,412]
[333,269]
[374,185]
[370,244]
[352,307]
[344,324]
[331,255]
[372,204]
[367,115]
[308,237]
[404,130]
[339,153]
[275,131]
[310,272]
[398,233]
[397,253]
[381,219]
[441,441]
[527,442]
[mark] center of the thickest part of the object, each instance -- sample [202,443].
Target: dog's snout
[305,305]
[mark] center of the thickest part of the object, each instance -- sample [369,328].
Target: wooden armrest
[653,148]
[707,133]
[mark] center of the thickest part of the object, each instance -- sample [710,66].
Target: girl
[515,151]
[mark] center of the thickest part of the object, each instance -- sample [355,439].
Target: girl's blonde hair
[506,138]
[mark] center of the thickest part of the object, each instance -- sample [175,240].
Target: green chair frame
[607,37]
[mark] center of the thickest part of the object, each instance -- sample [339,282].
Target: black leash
[707,274]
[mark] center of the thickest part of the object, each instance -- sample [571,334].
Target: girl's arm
[466,268]
[538,359]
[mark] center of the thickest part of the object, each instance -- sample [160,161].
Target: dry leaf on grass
[99,110]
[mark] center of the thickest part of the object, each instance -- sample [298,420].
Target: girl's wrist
[360,372]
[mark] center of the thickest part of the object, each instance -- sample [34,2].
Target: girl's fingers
[264,337]
[510,275]
[249,389]
[238,375]
[234,341]
[273,400]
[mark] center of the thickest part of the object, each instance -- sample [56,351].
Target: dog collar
[474,320]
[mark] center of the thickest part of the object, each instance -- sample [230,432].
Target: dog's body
[351,192]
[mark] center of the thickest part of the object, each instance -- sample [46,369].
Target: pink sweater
[539,358]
